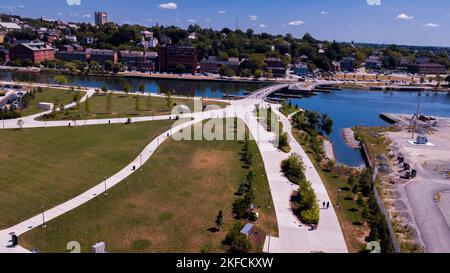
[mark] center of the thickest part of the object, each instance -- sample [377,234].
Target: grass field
[56,96]
[125,106]
[351,221]
[48,166]
[169,206]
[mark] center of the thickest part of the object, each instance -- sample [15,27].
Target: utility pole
[415,120]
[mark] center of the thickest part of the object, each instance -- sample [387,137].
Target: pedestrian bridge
[264,92]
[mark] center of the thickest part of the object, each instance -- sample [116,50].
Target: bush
[293,169]
[306,204]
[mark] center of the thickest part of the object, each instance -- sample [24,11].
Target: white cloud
[87,15]
[373,2]
[222,11]
[253,17]
[73,2]
[20,6]
[324,12]
[169,5]
[192,21]
[208,21]
[262,25]
[403,16]
[60,13]
[433,25]
[296,23]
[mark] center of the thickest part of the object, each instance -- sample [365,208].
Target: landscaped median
[44,167]
[181,200]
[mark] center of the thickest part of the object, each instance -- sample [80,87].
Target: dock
[391,118]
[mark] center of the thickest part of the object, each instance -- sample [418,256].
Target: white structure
[9,26]
[99,248]
[47,106]
[152,42]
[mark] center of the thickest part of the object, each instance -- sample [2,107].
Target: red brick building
[102,55]
[173,57]
[35,52]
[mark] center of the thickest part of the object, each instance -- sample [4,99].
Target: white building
[153,42]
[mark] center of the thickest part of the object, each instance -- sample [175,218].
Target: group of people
[326,205]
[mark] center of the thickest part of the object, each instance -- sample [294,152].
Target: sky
[411,22]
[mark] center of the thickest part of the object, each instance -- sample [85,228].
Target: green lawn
[169,206]
[48,166]
[125,106]
[56,96]
[351,221]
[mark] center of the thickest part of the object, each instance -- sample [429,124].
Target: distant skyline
[406,22]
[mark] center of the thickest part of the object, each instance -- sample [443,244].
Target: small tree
[142,88]
[109,102]
[104,89]
[61,79]
[126,88]
[169,100]
[219,220]
[138,104]
[87,106]
[20,123]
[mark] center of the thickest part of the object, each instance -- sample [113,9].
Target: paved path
[293,236]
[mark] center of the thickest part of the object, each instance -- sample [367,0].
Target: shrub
[293,169]
[306,204]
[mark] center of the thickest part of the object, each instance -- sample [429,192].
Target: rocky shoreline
[350,139]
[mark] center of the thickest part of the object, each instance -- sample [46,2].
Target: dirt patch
[204,159]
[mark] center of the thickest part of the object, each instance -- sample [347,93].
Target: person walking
[323,204]
[328,205]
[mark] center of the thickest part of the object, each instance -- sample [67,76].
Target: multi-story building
[138,60]
[212,65]
[427,68]
[374,62]
[276,66]
[102,55]
[36,52]
[301,69]
[348,64]
[176,58]
[101,18]
[72,55]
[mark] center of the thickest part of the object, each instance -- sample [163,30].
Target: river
[347,108]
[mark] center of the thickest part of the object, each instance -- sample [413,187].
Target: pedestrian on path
[328,205]
[324,204]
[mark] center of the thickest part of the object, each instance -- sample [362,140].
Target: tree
[226,71]
[142,88]
[87,106]
[109,102]
[20,123]
[180,68]
[126,88]
[61,79]
[219,220]
[447,79]
[138,103]
[283,142]
[259,73]
[293,169]
[326,124]
[104,89]
[169,101]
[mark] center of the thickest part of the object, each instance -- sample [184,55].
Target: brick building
[427,68]
[102,55]
[36,52]
[173,57]
[212,65]
[138,60]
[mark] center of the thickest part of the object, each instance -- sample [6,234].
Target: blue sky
[417,22]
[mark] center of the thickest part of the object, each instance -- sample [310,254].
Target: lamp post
[43,217]
[105,179]
[338,199]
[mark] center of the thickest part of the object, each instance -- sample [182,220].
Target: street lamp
[105,179]
[338,199]
[43,217]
